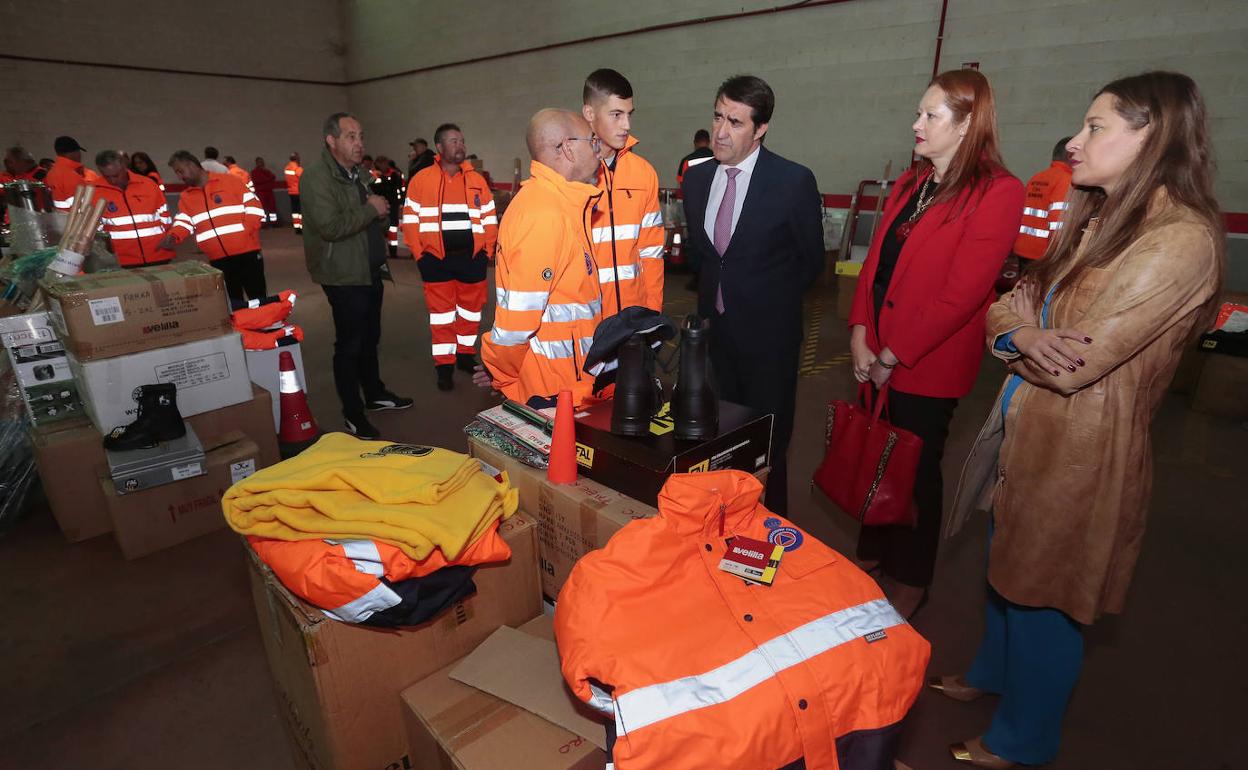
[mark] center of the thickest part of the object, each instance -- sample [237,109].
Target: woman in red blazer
[917,323]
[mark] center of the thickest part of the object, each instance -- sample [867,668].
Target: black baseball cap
[66,144]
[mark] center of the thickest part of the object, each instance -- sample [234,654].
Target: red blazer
[933,314]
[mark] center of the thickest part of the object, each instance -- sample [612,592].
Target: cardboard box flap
[524,670]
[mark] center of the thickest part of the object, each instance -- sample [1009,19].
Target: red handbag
[869,466]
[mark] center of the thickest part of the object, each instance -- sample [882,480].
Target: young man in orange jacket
[627,222]
[135,215]
[549,300]
[225,218]
[1044,206]
[67,173]
[450,225]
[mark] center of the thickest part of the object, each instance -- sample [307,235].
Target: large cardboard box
[573,519]
[154,519]
[210,374]
[1222,390]
[639,467]
[338,684]
[70,458]
[263,367]
[452,725]
[101,315]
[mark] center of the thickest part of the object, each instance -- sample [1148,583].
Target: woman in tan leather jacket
[1091,339]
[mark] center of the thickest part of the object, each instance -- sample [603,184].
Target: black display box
[638,467]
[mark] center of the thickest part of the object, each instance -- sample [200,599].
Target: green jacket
[335,225]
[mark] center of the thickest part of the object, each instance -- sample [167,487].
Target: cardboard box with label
[639,467]
[573,519]
[210,374]
[41,368]
[263,367]
[101,315]
[155,519]
[503,706]
[338,684]
[70,458]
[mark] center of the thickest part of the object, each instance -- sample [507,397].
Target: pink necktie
[723,229]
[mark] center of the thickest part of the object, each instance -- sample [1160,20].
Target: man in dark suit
[755,225]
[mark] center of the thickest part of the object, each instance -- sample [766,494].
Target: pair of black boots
[639,394]
[158,420]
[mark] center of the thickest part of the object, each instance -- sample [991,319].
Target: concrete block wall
[847,76]
[161,112]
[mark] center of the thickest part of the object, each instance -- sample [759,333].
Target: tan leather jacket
[1067,473]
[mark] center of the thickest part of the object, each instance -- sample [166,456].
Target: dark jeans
[357,331]
[908,554]
[244,275]
[764,380]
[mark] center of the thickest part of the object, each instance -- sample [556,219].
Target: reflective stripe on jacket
[548,298]
[224,216]
[1043,210]
[136,220]
[293,172]
[701,668]
[343,576]
[628,233]
[437,203]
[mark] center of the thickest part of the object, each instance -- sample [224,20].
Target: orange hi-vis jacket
[223,214]
[701,668]
[437,203]
[64,178]
[548,298]
[293,172]
[628,233]
[1042,211]
[342,577]
[136,220]
[242,174]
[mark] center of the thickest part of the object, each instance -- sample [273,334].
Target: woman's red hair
[978,159]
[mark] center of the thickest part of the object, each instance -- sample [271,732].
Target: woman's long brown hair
[1176,156]
[978,157]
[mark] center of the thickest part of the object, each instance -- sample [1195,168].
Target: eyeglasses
[595,143]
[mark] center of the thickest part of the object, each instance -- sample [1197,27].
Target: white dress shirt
[720,183]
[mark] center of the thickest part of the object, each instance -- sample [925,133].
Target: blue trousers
[1031,657]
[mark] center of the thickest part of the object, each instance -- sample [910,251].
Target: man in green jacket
[346,253]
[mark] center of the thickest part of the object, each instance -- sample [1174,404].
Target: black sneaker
[465,362]
[387,400]
[446,374]
[360,427]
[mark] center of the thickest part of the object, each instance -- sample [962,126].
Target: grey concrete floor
[157,663]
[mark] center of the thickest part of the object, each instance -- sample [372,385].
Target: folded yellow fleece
[415,497]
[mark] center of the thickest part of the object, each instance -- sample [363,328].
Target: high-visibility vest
[293,172]
[697,157]
[241,173]
[223,214]
[64,178]
[136,220]
[628,233]
[701,668]
[264,312]
[548,299]
[1043,210]
[437,203]
[343,577]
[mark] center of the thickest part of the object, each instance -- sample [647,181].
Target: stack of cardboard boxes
[121,330]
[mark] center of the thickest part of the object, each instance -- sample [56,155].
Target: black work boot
[158,420]
[638,394]
[465,362]
[446,375]
[695,410]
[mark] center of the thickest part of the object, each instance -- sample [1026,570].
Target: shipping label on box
[210,374]
[41,368]
[101,315]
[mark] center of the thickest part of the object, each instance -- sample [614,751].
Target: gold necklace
[905,228]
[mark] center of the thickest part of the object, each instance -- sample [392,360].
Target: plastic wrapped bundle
[17,458]
[506,443]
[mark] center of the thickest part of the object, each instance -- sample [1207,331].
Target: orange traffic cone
[298,427]
[562,466]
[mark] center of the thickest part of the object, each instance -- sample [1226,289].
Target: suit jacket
[933,314]
[775,253]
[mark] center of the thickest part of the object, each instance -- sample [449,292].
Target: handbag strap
[877,405]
